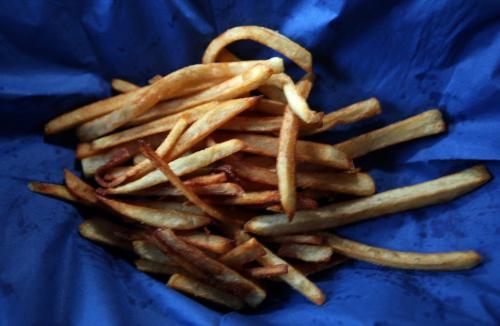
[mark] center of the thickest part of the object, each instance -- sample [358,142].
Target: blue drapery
[412,55]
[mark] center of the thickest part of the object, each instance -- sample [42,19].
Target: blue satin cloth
[412,55]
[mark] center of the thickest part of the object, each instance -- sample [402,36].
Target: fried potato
[80,189]
[244,253]
[268,271]
[103,231]
[306,252]
[123,86]
[54,190]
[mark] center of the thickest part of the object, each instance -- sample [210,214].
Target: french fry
[120,158]
[208,242]
[268,271]
[205,180]
[156,217]
[448,261]
[150,252]
[170,205]
[215,272]
[350,114]
[285,163]
[262,35]
[165,169]
[306,252]
[360,184]
[393,201]
[244,253]
[164,150]
[254,124]
[272,92]
[270,107]
[54,190]
[181,166]
[313,268]
[306,151]
[154,79]
[80,189]
[311,239]
[424,124]
[228,89]
[217,189]
[123,86]
[148,266]
[210,122]
[204,291]
[103,231]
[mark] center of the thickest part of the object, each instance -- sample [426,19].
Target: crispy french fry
[228,89]
[80,189]
[182,166]
[421,125]
[217,189]
[54,190]
[205,180]
[210,122]
[312,239]
[254,124]
[424,194]
[244,253]
[306,151]
[209,242]
[103,231]
[306,252]
[165,169]
[268,271]
[148,266]
[157,217]
[204,291]
[213,271]
[360,184]
[285,163]
[262,35]
[149,251]
[123,86]
[164,150]
[350,114]
[448,261]
[170,205]
[120,158]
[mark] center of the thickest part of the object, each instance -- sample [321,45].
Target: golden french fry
[123,86]
[204,291]
[148,266]
[350,114]
[164,150]
[312,239]
[170,205]
[306,252]
[268,271]
[360,184]
[285,163]
[208,242]
[421,125]
[393,201]
[102,173]
[254,124]
[244,253]
[262,35]
[205,180]
[54,190]
[213,271]
[165,169]
[448,261]
[216,189]
[103,231]
[80,189]
[306,151]
[157,217]
[181,166]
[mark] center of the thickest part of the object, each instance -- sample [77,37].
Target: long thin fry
[174,179]
[205,180]
[54,190]
[350,114]
[157,217]
[148,266]
[209,242]
[244,253]
[170,205]
[285,163]
[80,189]
[254,124]
[421,125]
[217,189]
[306,151]
[268,271]
[123,86]
[448,261]
[360,184]
[262,35]
[215,272]
[306,252]
[424,194]
[182,166]
[228,89]
[204,291]
[163,150]
[103,231]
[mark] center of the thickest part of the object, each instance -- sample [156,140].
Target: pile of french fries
[202,175]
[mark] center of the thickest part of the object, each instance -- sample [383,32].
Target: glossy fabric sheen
[412,55]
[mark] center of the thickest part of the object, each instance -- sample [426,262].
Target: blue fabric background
[412,55]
